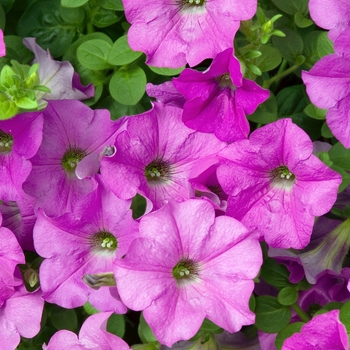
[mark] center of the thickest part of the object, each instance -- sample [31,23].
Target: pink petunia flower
[20,138]
[219,99]
[333,15]
[157,155]
[85,242]
[328,86]
[75,138]
[2,44]
[188,266]
[175,32]
[276,185]
[92,335]
[324,331]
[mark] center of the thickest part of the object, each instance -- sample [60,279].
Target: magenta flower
[188,266]
[333,15]
[20,138]
[69,155]
[219,99]
[85,242]
[2,44]
[92,335]
[173,33]
[59,77]
[324,331]
[328,86]
[157,155]
[166,93]
[276,185]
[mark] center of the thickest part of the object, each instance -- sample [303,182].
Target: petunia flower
[2,44]
[84,242]
[173,33]
[92,335]
[324,331]
[20,138]
[218,99]
[59,77]
[157,155]
[166,93]
[74,140]
[328,86]
[276,185]
[187,266]
[333,15]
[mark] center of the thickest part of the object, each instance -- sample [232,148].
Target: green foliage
[64,318]
[73,3]
[287,332]
[93,54]
[345,315]
[266,112]
[166,71]
[121,53]
[116,325]
[289,47]
[288,296]
[145,332]
[275,274]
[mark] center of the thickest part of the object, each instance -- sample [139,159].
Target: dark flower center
[158,171]
[224,81]
[71,158]
[282,177]
[185,270]
[104,241]
[6,142]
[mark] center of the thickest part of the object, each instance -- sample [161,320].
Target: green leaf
[167,71]
[292,6]
[72,15]
[333,305]
[301,21]
[288,296]
[345,315]
[316,113]
[270,58]
[26,102]
[291,46]
[211,327]
[7,4]
[116,5]
[275,274]
[64,318]
[8,108]
[326,131]
[93,54]
[340,156]
[271,316]
[2,17]
[89,309]
[128,85]
[104,18]
[287,332]
[345,177]
[121,53]
[73,3]
[266,112]
[15,50]
[324,45]
[145,332]
[42,20]
[116,325]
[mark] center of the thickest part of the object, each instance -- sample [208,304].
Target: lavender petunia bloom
[173,33]
[20,138]
[75,138]
[166,93]
[2,44]
[276,184]
[59,77]
[328,86]
[157,155]
[92,335]
[188,266]
[324,331]
[219,98]
[85,242]
[333,15]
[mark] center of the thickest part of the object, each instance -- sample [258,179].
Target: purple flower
[173,33]
[20,138]
[75,138]
[219,98]
[328,86]
[84,242]
[188,266]
[276,184]
[333,15]
[59,77]
[324,331]
[166,93]
[2,44]
[157,155]
[92,335]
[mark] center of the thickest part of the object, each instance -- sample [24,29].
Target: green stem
[303,316]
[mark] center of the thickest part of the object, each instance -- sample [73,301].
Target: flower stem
[303,316]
